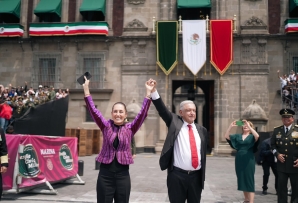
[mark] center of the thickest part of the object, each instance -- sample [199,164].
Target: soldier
[52,94]
[19,110]
[284,145]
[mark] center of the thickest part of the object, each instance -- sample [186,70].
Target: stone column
[79,17]
[64,11]
[222,9]
[284,13]
[23,17]
[34,17]
[164,9]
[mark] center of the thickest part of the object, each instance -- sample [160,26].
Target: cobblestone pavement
[149,184]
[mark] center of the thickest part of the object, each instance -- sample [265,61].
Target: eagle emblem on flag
[195,39]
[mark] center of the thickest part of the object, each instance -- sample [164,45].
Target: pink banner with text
[45,158]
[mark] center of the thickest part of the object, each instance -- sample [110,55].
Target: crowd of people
[15,101]
[289,83]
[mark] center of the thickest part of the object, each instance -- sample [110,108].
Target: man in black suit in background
[184,151]
[267,160]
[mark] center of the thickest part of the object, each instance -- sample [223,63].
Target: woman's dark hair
[121,104]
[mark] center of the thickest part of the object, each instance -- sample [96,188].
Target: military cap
[286,112]
[20,99]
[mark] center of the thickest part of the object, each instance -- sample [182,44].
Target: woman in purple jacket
[113,180]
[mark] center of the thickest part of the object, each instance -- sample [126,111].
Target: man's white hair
[185,102]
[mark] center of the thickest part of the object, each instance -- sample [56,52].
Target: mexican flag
[291,25]
[194,44]
[11,30]
[64,29]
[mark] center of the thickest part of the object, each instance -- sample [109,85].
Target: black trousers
[113,186]
[282,192]
[266,168]
[183,186]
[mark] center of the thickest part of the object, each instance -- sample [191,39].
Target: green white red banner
[40,159]
[66,29]
[221,44]
[11,30]
[291,25]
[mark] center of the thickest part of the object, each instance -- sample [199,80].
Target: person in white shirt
[283,80]
[291,76]
[184,150]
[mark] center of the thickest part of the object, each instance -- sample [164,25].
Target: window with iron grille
[46,70]
[295,64]
[94,63]
[88,115]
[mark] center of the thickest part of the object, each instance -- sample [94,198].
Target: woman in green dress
[245,144]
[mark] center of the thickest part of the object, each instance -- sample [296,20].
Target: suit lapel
[200,133]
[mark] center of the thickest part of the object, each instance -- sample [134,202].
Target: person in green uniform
[284,145]
[245,145]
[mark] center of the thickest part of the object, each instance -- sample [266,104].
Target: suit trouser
[266,168]
[113,186]
[282,192]
[183,186]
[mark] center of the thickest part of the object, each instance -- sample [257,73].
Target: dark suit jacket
[174,124]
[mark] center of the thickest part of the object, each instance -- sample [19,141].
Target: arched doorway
[203,97]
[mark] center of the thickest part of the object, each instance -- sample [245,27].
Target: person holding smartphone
[245,144]
[113,182]
[284,145]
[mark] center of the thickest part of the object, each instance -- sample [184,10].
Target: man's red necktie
[193,148]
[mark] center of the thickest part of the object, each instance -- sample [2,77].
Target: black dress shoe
[264,192]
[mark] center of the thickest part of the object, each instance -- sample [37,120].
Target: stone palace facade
[124,59]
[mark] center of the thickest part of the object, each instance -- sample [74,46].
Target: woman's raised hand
[233,124]
[86,81]
[246,123]
[149,86]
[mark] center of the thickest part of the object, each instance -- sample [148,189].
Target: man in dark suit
[267,160]
[184,151]
[284,145]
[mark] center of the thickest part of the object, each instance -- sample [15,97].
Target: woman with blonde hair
[245,144]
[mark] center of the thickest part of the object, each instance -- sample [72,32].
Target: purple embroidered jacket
[110,131]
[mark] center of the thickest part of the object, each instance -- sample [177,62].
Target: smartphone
[81,79]
[239,123]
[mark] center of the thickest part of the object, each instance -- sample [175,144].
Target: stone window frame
[36,74]
[98,80]
[88,117]
[290,61]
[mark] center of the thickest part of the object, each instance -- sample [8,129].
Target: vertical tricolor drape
[221,44]
[167,45]
[194,44]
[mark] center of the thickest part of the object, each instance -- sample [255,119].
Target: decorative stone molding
[254,25]
[254,112]
[136,2]
[134,52]
[262,42]
[246,42]
[253,51]
[254,21]
[136,26]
